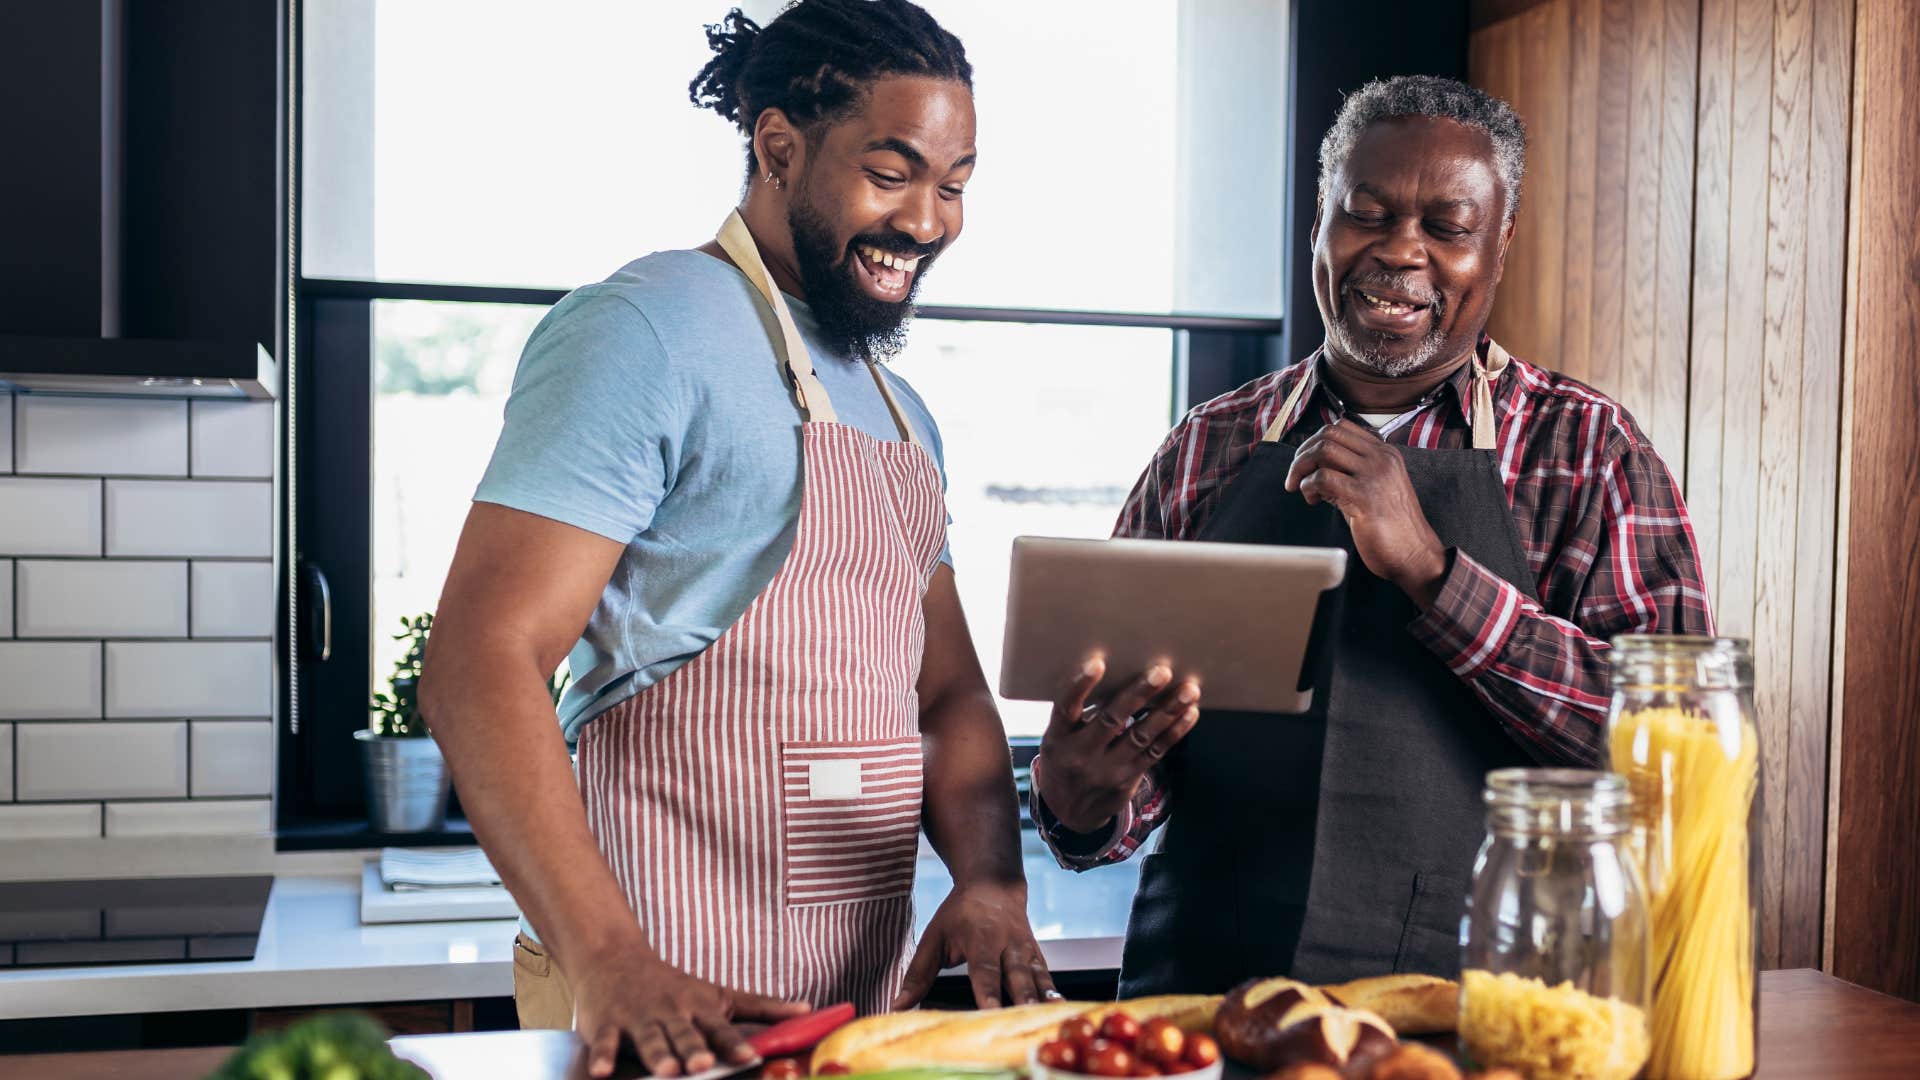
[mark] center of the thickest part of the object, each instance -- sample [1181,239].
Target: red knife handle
[801,1032]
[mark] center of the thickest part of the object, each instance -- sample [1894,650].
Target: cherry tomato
[782,1069]
[1145,1068]
[1078,1031]
[1120,1028]
[1107,1058]
[1060,1054]
[1201,1051]
[835,1068]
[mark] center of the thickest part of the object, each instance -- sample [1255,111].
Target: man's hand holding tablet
[1096,753]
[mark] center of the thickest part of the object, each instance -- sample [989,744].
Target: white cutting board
[379,904]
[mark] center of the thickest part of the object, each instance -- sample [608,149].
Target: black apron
[1337,843]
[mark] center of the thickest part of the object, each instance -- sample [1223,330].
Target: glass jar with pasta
[1681,730]
[1554,975]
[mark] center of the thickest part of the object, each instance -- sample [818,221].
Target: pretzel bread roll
[1270,1024]
[1413,1004]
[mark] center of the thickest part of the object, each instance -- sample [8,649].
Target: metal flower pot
[406,782]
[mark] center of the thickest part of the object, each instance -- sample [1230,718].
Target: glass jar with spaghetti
[1554,973]
[1681,730]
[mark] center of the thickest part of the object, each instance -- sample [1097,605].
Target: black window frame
[327,497]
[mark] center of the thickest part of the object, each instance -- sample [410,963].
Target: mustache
[1388,281]
[896,244]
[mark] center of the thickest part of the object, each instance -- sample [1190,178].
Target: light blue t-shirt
[651,408]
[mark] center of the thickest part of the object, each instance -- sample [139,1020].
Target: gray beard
[1367,354]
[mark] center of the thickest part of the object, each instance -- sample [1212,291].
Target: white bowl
[1037,1071]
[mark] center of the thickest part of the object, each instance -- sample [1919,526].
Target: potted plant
[406,778]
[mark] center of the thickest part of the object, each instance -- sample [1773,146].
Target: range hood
[141,203]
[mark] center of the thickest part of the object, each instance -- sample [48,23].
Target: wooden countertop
[1811,1025]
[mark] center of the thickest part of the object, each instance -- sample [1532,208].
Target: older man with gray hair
[1505,523]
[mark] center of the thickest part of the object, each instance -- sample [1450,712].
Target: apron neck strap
[738,243]
[1485,374]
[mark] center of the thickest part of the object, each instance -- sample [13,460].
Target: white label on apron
[833,779]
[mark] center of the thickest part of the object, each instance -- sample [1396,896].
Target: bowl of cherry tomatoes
[1119,1045]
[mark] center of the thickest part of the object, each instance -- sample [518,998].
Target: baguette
[1412,1004]
[993,1037]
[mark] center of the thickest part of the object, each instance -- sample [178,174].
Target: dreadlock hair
[816,58]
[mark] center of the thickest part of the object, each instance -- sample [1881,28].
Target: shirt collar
[1458,385]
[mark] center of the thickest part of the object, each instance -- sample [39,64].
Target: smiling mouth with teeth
[1388,307]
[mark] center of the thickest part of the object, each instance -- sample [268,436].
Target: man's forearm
[494,721]
[972,813]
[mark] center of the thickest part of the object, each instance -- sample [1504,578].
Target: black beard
[853,322]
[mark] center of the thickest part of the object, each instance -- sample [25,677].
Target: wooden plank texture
[1707,362]
[1583,147]
[1810,690]
[1610,196]
[1780,432]
[1876,934]
[1544,72]
[1635,386]
[1679,75]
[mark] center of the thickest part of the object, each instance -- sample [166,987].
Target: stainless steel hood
[142,199]
[121,366]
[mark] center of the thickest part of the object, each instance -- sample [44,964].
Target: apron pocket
[1430,939]
[852,814]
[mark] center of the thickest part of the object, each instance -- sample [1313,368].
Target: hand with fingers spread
[676,1024]
[1353,469]
[984,926]
[1094,756]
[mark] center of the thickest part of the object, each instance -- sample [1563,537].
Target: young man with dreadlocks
[709,490]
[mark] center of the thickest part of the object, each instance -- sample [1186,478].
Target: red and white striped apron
[760,806]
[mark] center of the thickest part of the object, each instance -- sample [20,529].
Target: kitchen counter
[314,951]
[1810,1025]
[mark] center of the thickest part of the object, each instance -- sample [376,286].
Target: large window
[465,162]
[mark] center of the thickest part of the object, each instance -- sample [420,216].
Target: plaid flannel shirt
[1599,516]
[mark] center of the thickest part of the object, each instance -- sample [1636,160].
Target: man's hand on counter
[1095,757]
[676,1023]
[985,927]
[1353,469]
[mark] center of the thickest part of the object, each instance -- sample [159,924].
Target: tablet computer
[1239,618]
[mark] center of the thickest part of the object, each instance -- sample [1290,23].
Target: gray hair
[1430,95]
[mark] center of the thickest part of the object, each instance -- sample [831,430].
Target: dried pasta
[1549,1032]
[1693,790]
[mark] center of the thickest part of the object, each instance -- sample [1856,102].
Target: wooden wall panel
[1874,875]
[1701,247]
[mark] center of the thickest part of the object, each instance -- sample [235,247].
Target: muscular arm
[520,590]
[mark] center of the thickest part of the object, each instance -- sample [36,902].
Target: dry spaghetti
[1694,782]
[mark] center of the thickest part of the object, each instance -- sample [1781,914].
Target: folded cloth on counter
[409,869]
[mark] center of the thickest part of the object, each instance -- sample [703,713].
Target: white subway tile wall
[233,438]
[97,436]
[190,517]
[234,817]
[101,761]
[76,598]
[50,821]
[137,608]
[233,599]
[40,516]
[50,680]
[232,757]
[189,678]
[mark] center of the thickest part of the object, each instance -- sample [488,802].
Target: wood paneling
[1695,153]
[1874,876]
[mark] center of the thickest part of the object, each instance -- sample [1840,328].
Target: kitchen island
[1811,1025]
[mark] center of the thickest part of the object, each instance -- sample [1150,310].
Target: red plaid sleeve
[1629,564]
[1146,812]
